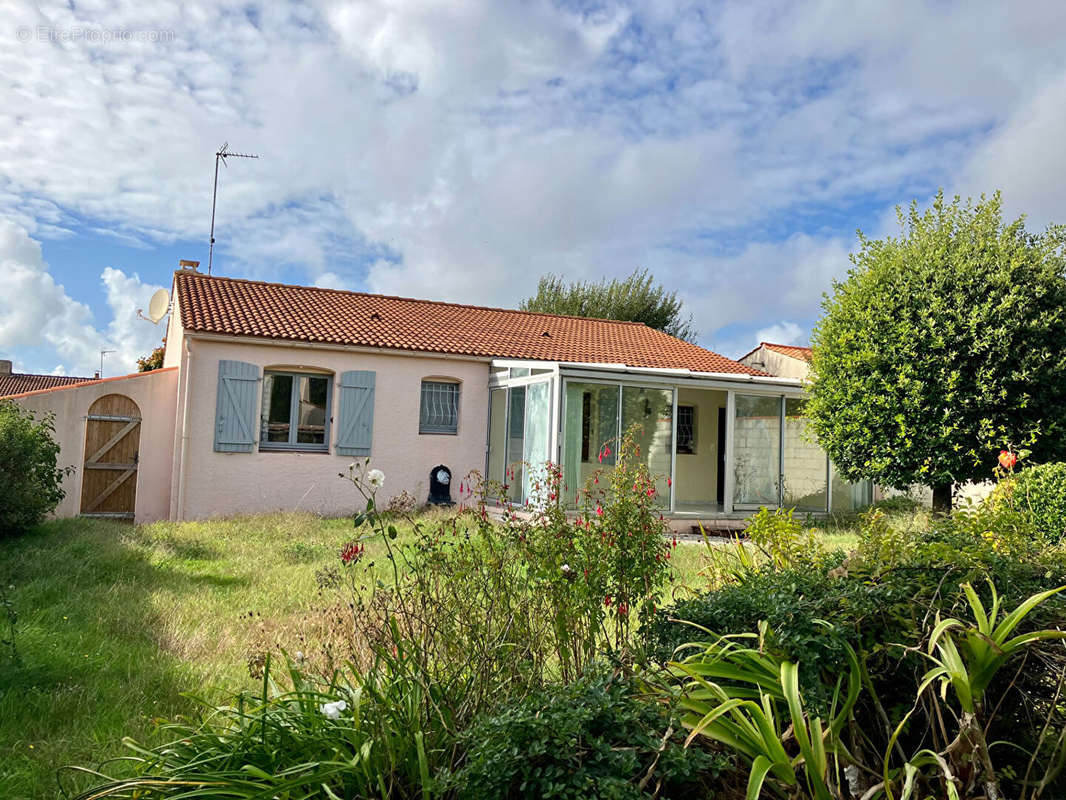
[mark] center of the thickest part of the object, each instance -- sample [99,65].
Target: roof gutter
[733,377]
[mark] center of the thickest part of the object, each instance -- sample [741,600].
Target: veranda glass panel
[535,442]
[497,435]
[591,423]
[806,465]
[848,497]
[648,413]
[756,450]
[516,434]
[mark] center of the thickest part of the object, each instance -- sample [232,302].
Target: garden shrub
[592,739]
[1039,492]
[784,540]
[30,481]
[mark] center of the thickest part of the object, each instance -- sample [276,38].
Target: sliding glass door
[597,415]
[648,415]
[806,470]
[756,451]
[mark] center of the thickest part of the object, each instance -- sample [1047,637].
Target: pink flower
[651,491]
[599,511]
[669,482]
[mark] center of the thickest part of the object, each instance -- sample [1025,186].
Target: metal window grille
[439,408]
[686,429]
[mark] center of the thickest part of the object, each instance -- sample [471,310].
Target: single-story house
[268,391]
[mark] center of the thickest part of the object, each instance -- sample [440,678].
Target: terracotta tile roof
[21,382]
[303,313]
[801,353]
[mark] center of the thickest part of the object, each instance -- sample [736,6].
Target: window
[296,411]
[686,429]
[439,407]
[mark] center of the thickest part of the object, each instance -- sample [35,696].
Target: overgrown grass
[117,624]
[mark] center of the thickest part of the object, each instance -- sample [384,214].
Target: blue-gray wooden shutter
[235,410]
[356,429]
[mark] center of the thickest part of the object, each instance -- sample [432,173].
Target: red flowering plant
[600,569]
[627,540]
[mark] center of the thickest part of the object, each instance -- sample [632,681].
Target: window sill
[322,451]
[438,433]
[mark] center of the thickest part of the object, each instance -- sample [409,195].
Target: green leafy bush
[30,481]
[592,739]
[784,540]
[1039,492]
[796,604]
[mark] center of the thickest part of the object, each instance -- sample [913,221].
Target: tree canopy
[943,346]
[153,360]
[636,298]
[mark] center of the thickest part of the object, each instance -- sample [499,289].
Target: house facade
[268,392]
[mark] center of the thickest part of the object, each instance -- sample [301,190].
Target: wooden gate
[112,438]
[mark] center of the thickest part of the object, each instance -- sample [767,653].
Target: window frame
[439,430]
[691,446]
[294,410]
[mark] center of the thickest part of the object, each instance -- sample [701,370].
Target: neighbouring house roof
[79,382]
[20,382]
[799,353]
[303,313]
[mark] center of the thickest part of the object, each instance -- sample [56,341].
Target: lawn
[118,623]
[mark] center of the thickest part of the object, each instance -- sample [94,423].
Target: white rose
[375,478]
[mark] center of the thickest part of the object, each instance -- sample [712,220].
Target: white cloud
[460,149]
[783,332]
[37,312]
[1025,158]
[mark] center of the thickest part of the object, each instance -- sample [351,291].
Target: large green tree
[943,345]
[636,298]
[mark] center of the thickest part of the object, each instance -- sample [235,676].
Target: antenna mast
[222,154]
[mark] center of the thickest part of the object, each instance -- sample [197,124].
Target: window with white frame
[439,407]
[296,411]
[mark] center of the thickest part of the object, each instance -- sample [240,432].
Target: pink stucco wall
[155,394]
[227,483]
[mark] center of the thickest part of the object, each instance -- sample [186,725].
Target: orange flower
[1007,459]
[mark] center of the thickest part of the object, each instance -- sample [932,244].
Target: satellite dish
[158,305]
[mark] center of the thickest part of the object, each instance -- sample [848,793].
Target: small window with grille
[439,407]
[686,429]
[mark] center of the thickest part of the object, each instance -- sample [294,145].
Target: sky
[459,150]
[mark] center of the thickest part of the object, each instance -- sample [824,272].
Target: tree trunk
[942,498]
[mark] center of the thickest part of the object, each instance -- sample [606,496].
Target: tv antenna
[222,154]
[102,354]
